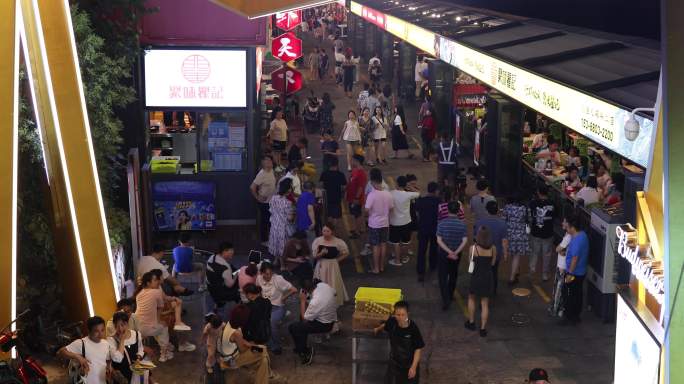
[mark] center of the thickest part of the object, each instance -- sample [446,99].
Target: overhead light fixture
[458,18]
[632,126]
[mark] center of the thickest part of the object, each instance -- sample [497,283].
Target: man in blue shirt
[577,256]
[499,230]
[306,213]
[452,237]
[182,255]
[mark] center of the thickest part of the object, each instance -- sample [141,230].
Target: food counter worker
[550,153]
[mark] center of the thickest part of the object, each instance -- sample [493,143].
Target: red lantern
[287,47]
[288,20]
[287,80]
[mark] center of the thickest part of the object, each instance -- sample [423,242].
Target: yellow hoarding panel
[9,79]
[81,237]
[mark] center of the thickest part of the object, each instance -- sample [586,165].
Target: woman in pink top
[247,275]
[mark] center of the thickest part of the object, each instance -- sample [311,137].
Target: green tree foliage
[105,81]
[106,58]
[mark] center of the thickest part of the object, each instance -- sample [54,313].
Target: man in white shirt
[551,153]
[93,352]
[221,282]
[318,316]
[263,188]
[151,262]
[400,221]
[293,174]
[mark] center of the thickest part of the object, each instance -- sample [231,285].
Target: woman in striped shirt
[443,212]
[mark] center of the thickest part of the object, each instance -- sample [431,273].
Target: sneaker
[210,370]
[307,358]
[182,327]
[186,347]
[483,333]
[470,326]
[405,259]
[166,357]
[395,263]
[410,252]
[366,250]
[349,168]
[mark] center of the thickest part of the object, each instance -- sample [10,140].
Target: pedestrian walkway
[453,355]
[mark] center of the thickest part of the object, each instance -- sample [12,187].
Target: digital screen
[637,353]
[195,78]
[184,205]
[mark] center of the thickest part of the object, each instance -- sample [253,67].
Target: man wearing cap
[538,376]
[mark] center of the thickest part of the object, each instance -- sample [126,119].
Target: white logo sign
[642,268]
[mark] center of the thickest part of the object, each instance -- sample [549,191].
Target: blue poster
[184,205]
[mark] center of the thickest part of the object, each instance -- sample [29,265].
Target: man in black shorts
[400,221]
[333,181]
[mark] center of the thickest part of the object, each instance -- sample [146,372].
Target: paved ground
[582,354]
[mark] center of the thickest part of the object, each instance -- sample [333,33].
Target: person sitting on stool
[318,316]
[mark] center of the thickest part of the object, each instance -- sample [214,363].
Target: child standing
[210,335]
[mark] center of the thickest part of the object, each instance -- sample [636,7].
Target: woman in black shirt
[406,345]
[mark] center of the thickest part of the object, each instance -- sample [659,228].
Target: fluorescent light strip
[91,152]
[15,171]
[27,61]
[323,2]
[60,145]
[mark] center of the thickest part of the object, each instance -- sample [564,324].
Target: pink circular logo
[196,69]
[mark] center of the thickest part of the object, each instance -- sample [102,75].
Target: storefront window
[222,141]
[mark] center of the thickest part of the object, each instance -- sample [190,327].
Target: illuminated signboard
[637,353]
[645,269]
[195,78]
[596,119]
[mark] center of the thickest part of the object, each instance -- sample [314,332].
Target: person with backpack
[234,351]
[93,353]
[221,283]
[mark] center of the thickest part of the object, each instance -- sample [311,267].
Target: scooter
[23,369]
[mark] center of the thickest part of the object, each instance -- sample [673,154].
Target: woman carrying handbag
[482,258]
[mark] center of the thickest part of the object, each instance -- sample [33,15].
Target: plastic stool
[520,296]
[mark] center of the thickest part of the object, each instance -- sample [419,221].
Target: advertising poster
[184,205]
[637,354]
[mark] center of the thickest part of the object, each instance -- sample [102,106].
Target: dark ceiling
[625,17]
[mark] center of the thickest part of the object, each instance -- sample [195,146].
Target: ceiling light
[458,18]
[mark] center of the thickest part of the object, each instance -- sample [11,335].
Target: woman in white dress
[329,251]
[351,134]
[380,127]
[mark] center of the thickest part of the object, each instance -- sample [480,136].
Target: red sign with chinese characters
[288,20]
[286,47]
[287,80]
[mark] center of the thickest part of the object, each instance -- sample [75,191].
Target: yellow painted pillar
[9,86]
